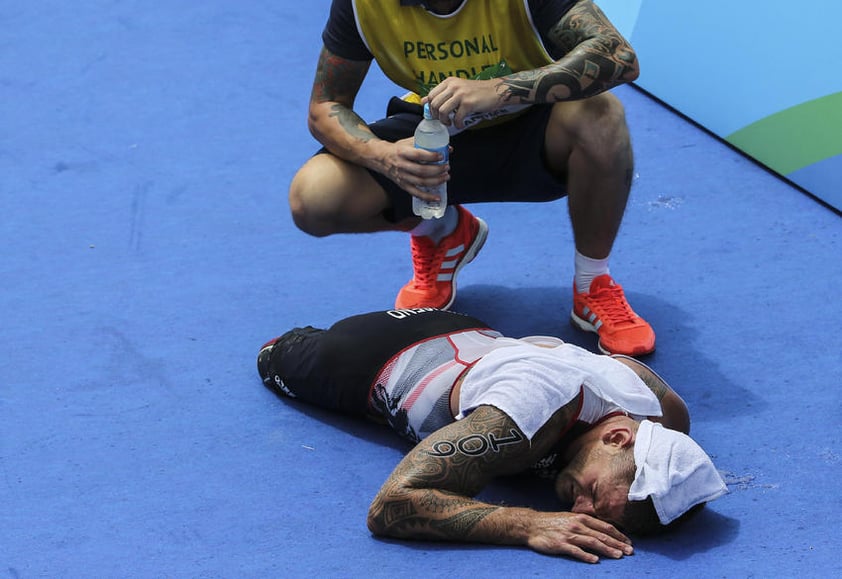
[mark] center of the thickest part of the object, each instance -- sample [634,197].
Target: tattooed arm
[332,119]
[675,414]
[333,122]
[429,495]
[596,58]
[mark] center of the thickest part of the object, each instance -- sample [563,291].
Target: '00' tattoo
[474,444]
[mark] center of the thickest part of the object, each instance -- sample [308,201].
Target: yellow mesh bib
[482,39]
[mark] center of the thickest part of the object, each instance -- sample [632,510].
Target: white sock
[587,269]
[438,229]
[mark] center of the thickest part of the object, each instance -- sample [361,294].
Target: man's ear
[619,436]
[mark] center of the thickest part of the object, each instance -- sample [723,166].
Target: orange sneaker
[605,311]
[433,284]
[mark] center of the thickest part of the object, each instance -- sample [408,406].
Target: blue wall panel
[755,73]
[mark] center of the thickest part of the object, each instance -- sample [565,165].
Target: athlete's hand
[576,535]
[453,99]
[413,169]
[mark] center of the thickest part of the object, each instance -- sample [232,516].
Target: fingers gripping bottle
[432,135]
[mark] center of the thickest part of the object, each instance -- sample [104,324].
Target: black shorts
[503,162]
[335,368]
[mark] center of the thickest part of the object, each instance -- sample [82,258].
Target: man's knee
[318,200]
[595,127]
[603,118]
[329,196]
[305,211]
[606,106]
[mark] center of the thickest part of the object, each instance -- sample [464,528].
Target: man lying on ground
[607,429]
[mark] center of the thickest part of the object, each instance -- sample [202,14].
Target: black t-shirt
[342,37]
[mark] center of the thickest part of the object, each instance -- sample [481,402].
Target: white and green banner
[763,75]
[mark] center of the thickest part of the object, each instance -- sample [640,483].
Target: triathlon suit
[417,49]
[400,366]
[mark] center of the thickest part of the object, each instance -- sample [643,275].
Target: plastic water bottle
[432,135]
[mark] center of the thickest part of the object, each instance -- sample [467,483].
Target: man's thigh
[335,368]
[503,162]
[595,126]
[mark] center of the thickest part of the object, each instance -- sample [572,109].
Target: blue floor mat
[148,252]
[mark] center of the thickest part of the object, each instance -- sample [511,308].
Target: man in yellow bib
[522,86]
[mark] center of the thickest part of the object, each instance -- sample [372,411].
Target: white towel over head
[674,470]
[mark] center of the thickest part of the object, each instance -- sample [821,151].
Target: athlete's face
[592,486]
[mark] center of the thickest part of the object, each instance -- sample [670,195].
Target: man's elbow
[319,115]
[376,521]
[387,516]
[313,123]
[631,70]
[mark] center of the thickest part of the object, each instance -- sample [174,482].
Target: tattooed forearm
[334,91]
[441,516]
[351,122]
[597,58]
[462,523]
[430,493]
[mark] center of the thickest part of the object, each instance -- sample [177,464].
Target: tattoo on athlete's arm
[444,476]
[597,56]
[441,516]
[474,444]
[433,514]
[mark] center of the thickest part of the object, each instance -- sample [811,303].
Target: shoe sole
[589,327]
[586,326]
[468,257]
